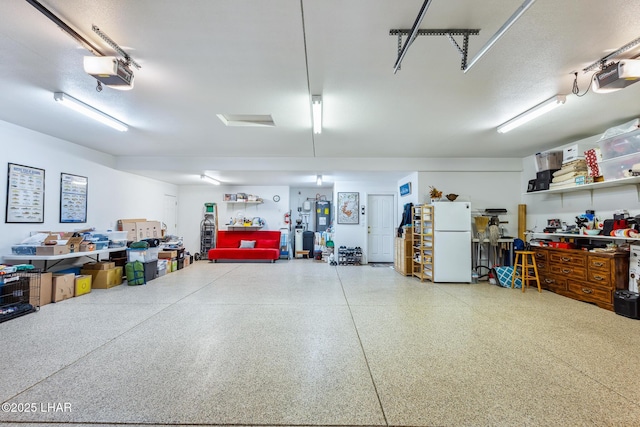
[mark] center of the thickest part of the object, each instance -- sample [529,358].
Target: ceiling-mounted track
[449,33]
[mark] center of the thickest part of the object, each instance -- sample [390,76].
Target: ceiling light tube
[316,111]
[516,15]
[319,180]
[209,179]
[89,111]
[531,114]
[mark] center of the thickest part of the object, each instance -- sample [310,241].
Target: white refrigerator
[452,242]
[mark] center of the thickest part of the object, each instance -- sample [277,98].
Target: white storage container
[620,145]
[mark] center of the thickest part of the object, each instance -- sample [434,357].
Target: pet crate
[19,293]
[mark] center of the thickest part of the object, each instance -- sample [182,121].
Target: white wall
[483,189]
[193,197]
[352,235]
[414,197]
[112,194]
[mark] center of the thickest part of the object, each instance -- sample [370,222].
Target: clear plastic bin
[548,160]
[24,249]
[620,145]
[618,167]
[142,255]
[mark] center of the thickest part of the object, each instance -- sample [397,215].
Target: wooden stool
[525,261]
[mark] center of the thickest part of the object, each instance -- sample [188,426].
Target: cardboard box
[187,261]
[52,250]
[167,254]
[105,279]
[102,265]
[87,247]
[73,243]
[83,284]
[129,225]
[63,287]
[148,230]
[46,288]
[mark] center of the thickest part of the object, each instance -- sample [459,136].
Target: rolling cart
[208,230]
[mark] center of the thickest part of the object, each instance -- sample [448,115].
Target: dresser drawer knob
[566,259]
[587,290]
[598,278]
[566,271]
[549,281]
[598,264]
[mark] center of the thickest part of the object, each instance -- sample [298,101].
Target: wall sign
[405,189]
[25,194]
[347,210]
[73,198]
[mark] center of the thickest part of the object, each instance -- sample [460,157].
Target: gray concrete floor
[302,343]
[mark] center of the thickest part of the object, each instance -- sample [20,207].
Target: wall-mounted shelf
[258,202]
[635,180]
[243,227]
[580,236]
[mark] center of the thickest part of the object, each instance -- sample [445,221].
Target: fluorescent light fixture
[316,110]
[89,111]
[516,15]
[534,112]
[209,179]
[319,180]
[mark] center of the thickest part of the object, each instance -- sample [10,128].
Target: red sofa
[267,246]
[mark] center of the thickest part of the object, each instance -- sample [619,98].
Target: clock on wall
[276,198]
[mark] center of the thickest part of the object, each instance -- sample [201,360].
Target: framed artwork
[73,198]
[25,194]
[348,209]
[405,189]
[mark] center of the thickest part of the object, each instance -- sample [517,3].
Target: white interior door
[381,228]
[170,216]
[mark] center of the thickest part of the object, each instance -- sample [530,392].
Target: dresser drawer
[542,267]
[568,258]
[588,293]
[600,264]
[600,278]
[568,271]
[542,255]
[553,283]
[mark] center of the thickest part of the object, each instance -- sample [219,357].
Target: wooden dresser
[585,276]
[402,257]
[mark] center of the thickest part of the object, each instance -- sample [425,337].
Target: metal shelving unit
[208,229]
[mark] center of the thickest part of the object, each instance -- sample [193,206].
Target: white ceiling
[201,58]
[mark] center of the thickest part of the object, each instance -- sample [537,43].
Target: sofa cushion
[247,244]
[267,243]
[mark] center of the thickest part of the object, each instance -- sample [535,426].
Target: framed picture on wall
[25,194]
[348,208]
[73,198]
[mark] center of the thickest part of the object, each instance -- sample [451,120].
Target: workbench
[30,259]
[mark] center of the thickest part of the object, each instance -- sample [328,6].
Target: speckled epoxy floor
[303,343]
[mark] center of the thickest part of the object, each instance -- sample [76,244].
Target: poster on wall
[73,198]
[25,194]
[348,208]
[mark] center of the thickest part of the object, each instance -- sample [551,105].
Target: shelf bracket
[448,33]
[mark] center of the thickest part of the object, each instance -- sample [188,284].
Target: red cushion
[267,243]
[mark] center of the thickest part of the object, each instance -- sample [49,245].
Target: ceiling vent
[251,120]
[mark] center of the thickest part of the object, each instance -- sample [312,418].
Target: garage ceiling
[201,58]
